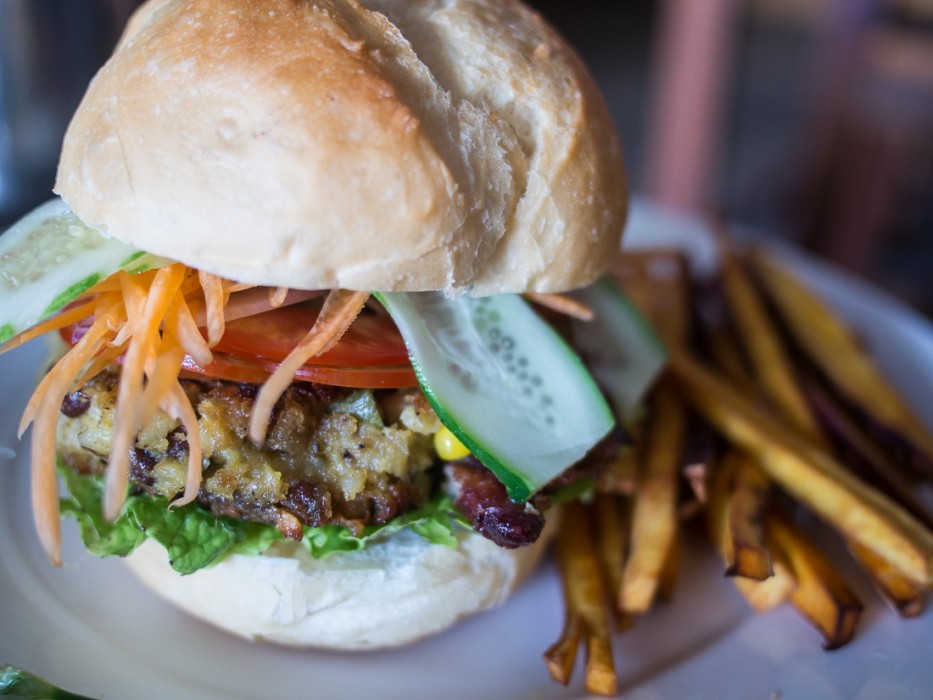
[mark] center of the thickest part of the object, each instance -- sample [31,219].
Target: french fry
[763,594]
[900,593]
[654,510]
[768,594]
[718,331]
[612,529]
[741,495]
[723,348]
[587,614]
[821,594]
[561,656]
[764,348]
[620,475]
[860,512]
[839,355]
[670,570]
[627,543]
[884,469]
[656,282]
[746,509]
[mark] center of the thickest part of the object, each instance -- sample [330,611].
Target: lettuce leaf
[195,538]
[27,686]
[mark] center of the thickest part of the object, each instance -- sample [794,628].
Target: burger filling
[332,455]
[217,417]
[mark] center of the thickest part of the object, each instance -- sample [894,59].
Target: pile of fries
[769,418]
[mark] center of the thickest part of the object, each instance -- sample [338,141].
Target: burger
[322,271]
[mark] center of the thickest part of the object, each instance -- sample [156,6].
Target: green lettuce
[195,538]
[23,684]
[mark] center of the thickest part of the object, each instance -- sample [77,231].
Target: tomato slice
[226,367]
[379,377]
[372,340]
[370,355]
[237,369]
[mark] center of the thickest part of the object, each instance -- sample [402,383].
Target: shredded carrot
[177,406]
[43,410]
[160,380]
[59,375]
[340,310]
[53,323]
[148,319]
[192,283]
[180,323]
[214,300]
[133,289]
[142,345]
[562,304]
[104,359]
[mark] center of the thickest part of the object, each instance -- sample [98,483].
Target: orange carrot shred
[215,298]
[59,379]
[142,346]
[277,296]
[561,303]
[178,406]
[340,310]
[181,323]
[44,481]
[53,323]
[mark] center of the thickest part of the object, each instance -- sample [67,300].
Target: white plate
[91,628]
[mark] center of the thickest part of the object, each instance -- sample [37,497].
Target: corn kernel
[447,446]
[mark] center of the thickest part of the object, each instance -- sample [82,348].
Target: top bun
[455,145]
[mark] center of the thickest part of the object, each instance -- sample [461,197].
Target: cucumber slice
[49,258]
[503,382]
[619,346]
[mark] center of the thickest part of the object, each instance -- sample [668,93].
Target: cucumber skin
[520,485]
[618,324]
[49,258]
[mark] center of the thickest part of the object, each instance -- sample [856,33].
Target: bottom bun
[391,593]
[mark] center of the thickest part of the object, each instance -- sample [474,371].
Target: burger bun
[389,594]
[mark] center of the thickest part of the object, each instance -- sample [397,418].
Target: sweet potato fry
[763,346]
[670,570]
[821,594]
[656,282]
[740,493]
[746,510]
[587,614]
[900,593]
[620,475]
[561,656]
[860,512]
[654,511]
[839,355]
[761,594]
[879,466]
[612,535]
[768,594]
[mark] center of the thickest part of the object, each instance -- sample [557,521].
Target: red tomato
[227,367]
[379,377]
[370,355]
[372,339]
[238,369]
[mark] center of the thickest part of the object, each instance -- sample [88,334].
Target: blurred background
[811,120]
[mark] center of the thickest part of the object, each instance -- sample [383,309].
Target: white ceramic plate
[91,628]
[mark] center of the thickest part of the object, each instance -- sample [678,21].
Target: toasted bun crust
[388,594]
[457,145]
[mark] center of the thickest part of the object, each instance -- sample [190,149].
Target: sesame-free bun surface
[388,145]
[388,594]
